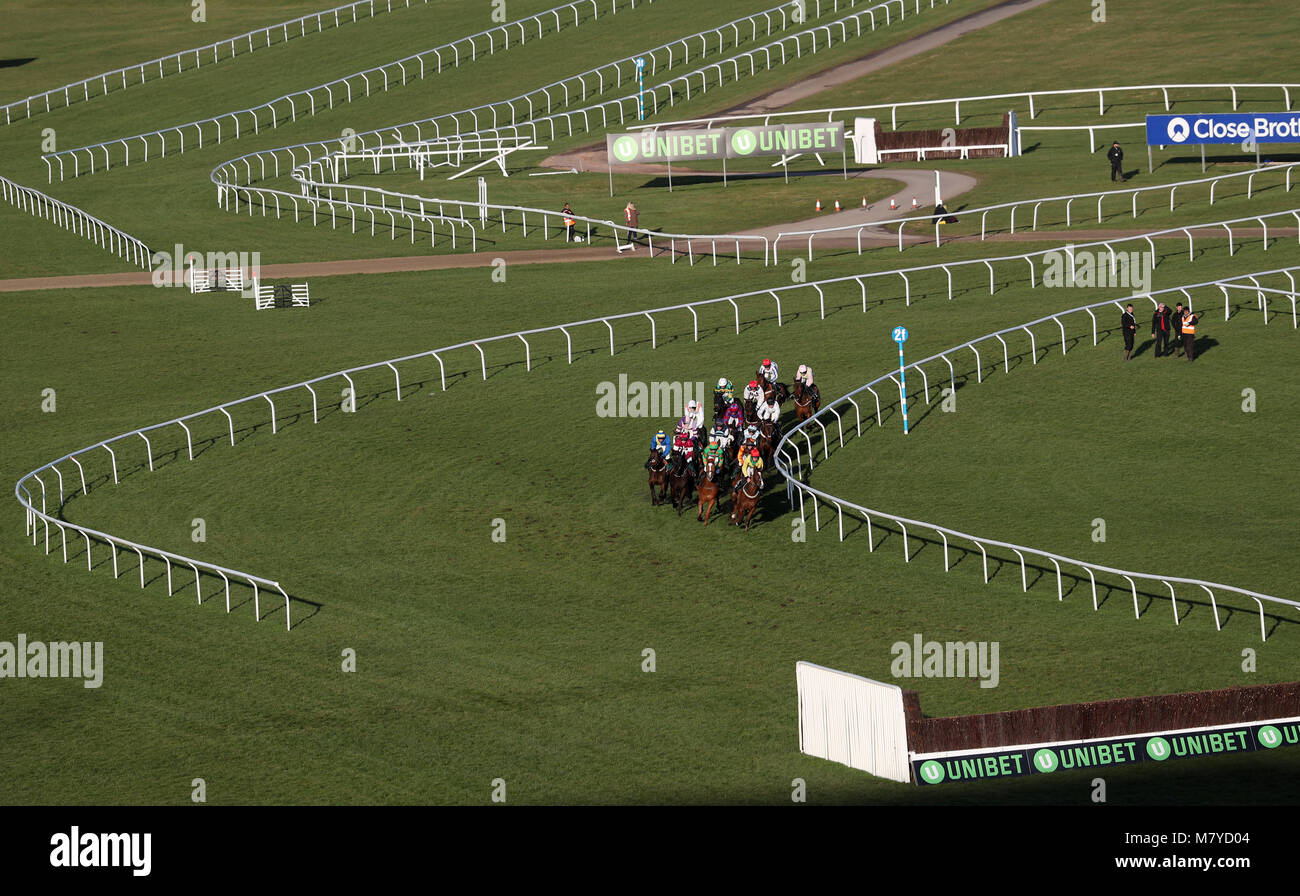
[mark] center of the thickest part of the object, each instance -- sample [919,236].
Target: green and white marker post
[900,336]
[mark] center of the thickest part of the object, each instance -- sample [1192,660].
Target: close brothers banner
[1043,759]
[1223,127]
[724,143]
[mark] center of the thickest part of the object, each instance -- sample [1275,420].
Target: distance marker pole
[900,336]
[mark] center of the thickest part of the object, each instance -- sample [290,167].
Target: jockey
[712,453]
[722,435]
[804,375]
[693,419]
[767,370]
[769,410]
[661,444]
[684,443]
[753,391]
[725,391]
[748,440]
[733,415]
[748,464]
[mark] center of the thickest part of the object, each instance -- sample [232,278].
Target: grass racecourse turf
[522,660]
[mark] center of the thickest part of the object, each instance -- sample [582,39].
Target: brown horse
[658,468]
[745,501]
[777,390]
[708,489]
[807,401]
[766,441]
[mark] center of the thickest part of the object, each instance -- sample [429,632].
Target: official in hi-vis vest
[570,222]
[1128,323]
[1189,334]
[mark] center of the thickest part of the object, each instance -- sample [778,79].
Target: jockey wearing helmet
[733,416]
[804,375]
[749,463]
[722,434]
[725,391]
[769,410]
[713,453]
[693,419]
[684,443]
[767,370]
[661,444]
[753,391]
[748,440]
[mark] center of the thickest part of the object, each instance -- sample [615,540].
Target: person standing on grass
[1128,323]
[1176,328]
[1160,330]
[1116,156]
[633,218]
[1189,333]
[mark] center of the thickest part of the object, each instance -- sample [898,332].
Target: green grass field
[480,658]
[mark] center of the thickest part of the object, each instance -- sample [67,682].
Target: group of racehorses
[711,475]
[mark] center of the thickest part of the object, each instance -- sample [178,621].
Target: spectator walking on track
[570,222]
[1128,323]
[1116,156]
[633,218]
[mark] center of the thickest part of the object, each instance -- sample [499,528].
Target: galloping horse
[658,468]
[767,440]
[681,478]
[780,390]
[746,499]
[708,489]
[807,401]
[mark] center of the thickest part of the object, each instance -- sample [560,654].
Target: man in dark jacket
[1176,328]
[1128,323]
[1160,330]
[1116,156]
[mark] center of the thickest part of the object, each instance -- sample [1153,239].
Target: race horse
[769,435]
[681,479]
[658,468]
[708,488]
[780,390]
[807,401]
[745,500]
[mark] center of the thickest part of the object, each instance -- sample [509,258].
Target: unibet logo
[1270,736]
[932,772]
[1179,129]
[743,141]
[625,149]
[1158,749]
[1045,760]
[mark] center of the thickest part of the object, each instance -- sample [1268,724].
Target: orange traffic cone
[864,201]
[837,205]
[819,205]
[915,204]
[892,202]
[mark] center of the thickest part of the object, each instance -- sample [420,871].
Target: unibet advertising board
[1043,759]
[1225,127]
[724,143]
